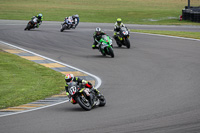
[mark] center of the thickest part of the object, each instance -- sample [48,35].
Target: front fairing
[73,88]
[124,32]
[105,41]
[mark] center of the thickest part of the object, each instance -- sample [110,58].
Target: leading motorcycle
[31,24]
[123,38]
[85,97]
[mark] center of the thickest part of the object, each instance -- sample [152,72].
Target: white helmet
[69,77]
[98,30]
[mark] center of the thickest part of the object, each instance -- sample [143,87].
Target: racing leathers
[39,20]
[97,38]
[117,29]
[75,20]
[68,20]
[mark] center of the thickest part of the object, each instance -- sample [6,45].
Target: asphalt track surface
[153,87]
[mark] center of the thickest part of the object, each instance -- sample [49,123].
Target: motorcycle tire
[102,101]
[119,44]
[62,28]
[86,106]
[29,26]
[103,53]
[111,52]
[127,42]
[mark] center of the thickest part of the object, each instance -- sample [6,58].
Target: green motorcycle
[105,46]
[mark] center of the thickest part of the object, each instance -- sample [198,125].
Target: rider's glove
[67,93]
[84,82]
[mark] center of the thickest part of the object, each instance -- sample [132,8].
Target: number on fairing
[72,90]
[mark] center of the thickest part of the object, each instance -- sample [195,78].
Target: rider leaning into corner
[72,20]
[39,19]
[70,78]
[97,36]
[117,28]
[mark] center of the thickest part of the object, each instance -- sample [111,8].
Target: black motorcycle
[31,24]
[85,97]
[123,38]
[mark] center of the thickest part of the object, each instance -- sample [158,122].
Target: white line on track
[167,36]
[97,78]
[164,36]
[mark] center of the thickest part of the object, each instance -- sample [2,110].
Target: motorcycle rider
[70,77]
[117,28]
[67,20]
[75,20]
[72,20]
[97,36]
[39,19]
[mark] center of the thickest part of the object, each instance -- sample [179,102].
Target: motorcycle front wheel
[102,101]
[84,103]
[111,52]
[28,27]
[62,28]
[127,42]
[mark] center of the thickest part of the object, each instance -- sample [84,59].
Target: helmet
[119,20]
[69,77]
[39,16]
[98,30]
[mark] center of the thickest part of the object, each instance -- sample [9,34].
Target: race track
[153,87]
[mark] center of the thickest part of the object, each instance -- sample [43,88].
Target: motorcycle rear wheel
[119,43]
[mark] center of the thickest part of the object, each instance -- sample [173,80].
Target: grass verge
[195,35]
[24,81]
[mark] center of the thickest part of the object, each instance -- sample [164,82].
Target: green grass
[131,11]
[24,81]
[195,35]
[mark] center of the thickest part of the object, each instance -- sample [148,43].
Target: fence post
[188,4]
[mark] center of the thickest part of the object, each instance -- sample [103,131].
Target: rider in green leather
[97,36]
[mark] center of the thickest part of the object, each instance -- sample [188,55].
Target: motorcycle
[105,46]
[85,97]
[31,24]
[123,38]
[70,23]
